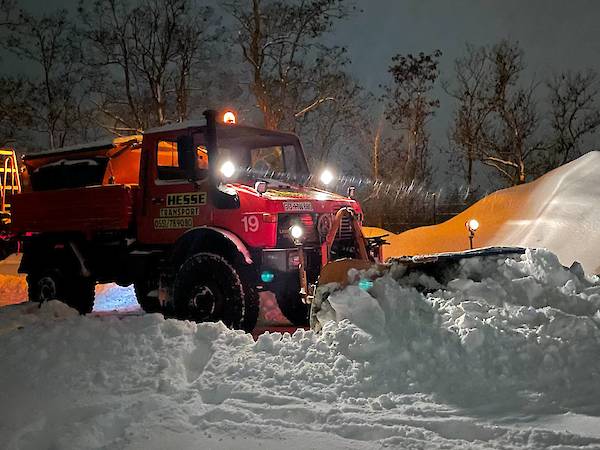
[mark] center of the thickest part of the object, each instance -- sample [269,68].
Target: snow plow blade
[337,275]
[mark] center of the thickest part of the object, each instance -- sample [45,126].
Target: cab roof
[229,132]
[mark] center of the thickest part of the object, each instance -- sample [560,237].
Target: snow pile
[496,326]
[17,317]
[559,211]
[421,365]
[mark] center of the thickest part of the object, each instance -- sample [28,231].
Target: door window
[168,162]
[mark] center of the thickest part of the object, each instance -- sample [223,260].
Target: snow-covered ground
[559,211]
[505,355]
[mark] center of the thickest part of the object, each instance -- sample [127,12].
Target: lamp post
[472,226]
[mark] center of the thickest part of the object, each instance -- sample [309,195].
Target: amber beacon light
[229,117]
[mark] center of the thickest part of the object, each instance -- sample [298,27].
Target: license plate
[297,206]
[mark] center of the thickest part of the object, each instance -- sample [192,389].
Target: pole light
[472,226]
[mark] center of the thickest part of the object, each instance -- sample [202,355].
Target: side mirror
[352,192]
[261,187]
[186,156]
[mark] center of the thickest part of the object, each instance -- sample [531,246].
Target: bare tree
[409,106]
[509,139]
[574,114]
[471,91]
[8,10]
[151,56]
[331,125]
[15,112]
[54,86]
[497,120]
[280,43]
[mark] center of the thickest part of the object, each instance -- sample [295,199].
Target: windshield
[272,160]
[260,162]
[278,162]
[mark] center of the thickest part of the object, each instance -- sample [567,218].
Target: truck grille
[345,232]
[309,222]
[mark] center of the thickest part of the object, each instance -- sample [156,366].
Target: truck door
[171,203]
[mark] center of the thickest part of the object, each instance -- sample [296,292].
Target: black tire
[208,288]
[291,304]
[51,284]
[82,292]
[251,303]
[142,289]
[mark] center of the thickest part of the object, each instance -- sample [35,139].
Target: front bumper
[283,264]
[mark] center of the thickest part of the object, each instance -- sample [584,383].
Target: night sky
[555,34]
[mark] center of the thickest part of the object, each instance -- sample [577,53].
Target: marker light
[229,117]
[267,276]
[326,176]
[227,169]
[296,232]
[472,225]
[365,285]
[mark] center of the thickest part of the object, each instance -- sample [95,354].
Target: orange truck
[199,216]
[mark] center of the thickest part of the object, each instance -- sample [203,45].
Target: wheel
[149,304]
[291,304]
[51,284]
[44,286]
[208,288]
[81,293]
[251,301]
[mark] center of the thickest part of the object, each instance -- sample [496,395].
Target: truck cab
[220,212]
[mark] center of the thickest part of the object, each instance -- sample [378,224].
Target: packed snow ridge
[475,362]
[558,211]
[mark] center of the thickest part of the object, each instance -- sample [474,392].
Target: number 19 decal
[250,224]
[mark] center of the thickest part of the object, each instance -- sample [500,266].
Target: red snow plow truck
[198,216]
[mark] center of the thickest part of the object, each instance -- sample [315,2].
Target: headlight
[326,177]
[296,232]
[227,169]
